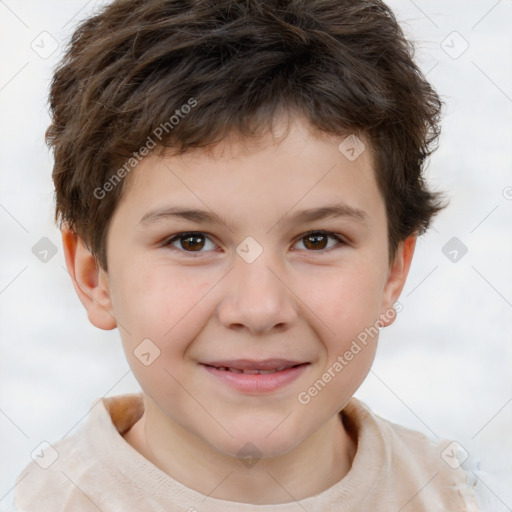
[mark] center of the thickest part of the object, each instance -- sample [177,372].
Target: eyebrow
[208,217]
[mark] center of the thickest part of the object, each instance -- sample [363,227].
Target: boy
[239,188]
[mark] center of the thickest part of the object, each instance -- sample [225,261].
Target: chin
[252,441]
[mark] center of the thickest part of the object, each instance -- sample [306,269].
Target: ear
[89,279]
[398,272]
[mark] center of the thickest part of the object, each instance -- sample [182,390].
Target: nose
[257,298]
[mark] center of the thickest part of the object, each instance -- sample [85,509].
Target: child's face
[303,299]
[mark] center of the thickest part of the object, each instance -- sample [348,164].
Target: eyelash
[195,254]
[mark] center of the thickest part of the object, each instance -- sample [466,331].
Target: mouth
[253,367]
[252,372]
[253,376]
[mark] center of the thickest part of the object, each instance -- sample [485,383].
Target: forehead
[294,168]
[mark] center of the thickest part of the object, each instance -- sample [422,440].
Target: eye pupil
[186,241]
[315,238]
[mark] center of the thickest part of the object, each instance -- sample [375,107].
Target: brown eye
[318,240]
[189,243]
[315,241]
[192,242]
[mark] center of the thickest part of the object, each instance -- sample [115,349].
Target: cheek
[165,308]
[157,303]
[349,310]
[348,306]
[345,301]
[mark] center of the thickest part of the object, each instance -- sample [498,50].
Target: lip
[256,383]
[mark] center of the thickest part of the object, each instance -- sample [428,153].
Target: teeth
[251,372]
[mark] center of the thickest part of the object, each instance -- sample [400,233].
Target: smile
[255,377]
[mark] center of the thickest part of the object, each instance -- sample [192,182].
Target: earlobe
[396,280]
[89,280]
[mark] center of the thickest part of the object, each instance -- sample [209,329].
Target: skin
[294,301]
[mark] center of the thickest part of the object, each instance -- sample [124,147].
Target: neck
[197,465]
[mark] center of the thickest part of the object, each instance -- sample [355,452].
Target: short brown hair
[343,65]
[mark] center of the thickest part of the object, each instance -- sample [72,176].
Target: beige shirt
[394,469]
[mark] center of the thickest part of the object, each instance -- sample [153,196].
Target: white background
[443,368]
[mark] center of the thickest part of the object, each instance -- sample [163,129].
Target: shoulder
[429,471]
[48,483]
[68,474]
